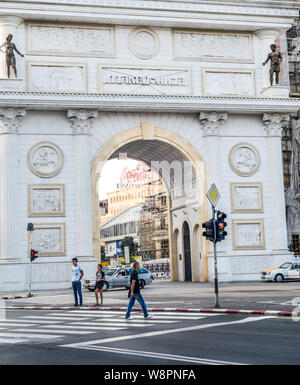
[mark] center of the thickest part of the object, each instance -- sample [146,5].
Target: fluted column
[10,119]
[273,128]
[267,37]
[212,123]
[82,121]
[8,24]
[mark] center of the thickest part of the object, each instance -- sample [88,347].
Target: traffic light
[33,255]
[220,226]
[209,232]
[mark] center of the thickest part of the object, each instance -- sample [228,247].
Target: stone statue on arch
[10,59]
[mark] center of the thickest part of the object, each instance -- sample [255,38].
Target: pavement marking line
[160,356]
[10,341]
[88,317]
[31,322]
[27,336]
[170,317]
[161,332]
[43,317]
[125,324]
[15,324]
[53,331]
[71,314]
[76,327]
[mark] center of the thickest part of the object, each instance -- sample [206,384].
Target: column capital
[274,123]
[10,119]
[12,21]
[212,122]
[82,120]
[267,33]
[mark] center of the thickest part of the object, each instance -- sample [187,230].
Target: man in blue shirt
[76,281]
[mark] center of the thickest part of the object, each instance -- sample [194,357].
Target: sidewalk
[161,294]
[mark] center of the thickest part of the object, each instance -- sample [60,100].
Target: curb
[17,297]
[277,313]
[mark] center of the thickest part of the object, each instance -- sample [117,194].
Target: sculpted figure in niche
[275,58]
[9,54]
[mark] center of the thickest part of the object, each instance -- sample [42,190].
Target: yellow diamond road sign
[213,195]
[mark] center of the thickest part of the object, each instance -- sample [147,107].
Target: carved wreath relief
[244,159]
[45,159]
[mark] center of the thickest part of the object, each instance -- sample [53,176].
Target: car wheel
[278,278]
[142,284]
[105,286]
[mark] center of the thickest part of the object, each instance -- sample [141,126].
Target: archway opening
[182,173]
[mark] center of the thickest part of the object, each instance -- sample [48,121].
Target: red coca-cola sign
[136,176]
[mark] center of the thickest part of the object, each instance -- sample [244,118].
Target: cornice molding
[274,123]
[82,120]
[212,122]
[10,120]
[142,103]
[254,8]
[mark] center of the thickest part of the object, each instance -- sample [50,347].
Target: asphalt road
[163,293]
[105,338]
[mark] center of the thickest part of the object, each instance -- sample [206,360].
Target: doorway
[187,252]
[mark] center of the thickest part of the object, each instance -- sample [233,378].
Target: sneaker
[129,318]
[150,315]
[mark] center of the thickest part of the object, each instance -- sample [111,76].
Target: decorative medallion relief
[46,200]
[57,77]
[244,159]
[248,234]
[49,239]
[246,197]
[70,40]
[213,46]
[143,43]
[145,80]
[45,159]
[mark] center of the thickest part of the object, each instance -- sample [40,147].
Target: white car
[287,271]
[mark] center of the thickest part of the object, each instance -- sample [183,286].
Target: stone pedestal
[11,84]
[275,92]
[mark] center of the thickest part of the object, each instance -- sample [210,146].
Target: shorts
[99,285]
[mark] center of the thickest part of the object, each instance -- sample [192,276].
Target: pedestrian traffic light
[220,226]
[209,232]
[33,255]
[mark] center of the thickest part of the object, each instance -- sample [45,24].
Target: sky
[111,173]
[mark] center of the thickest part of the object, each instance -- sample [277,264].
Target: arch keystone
[148,130]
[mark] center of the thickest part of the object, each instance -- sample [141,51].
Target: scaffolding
[153,228]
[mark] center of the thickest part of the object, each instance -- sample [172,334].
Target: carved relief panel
[218,82]
[248,234]
[70,40]
[49,239]
[246,197]
[45,159]
[244,159]
[143,43]
[46,200]
[213,46]
[57,77]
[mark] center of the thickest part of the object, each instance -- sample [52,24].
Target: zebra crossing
[77,324]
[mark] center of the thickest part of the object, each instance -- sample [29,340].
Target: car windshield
[109,272]
[285,265]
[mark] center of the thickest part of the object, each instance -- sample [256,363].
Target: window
[295,245]
[143,271]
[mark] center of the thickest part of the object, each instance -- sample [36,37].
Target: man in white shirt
[76,281]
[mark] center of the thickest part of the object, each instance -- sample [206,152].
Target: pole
[30,269]
[217,305]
